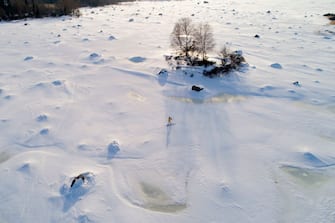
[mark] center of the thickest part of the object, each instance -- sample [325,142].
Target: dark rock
[80,176]
[196,88]
[257,36]
[28,58]
[168,58]
[296,83]
[162,72]
[329,14]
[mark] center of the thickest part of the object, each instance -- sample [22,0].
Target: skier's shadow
[168,133]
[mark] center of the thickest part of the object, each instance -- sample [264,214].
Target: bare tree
[224,55]
[182,36]
[204,39]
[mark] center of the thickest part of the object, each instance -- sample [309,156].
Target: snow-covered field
[82,96]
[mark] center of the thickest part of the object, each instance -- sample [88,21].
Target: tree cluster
[192,40]
[19,9]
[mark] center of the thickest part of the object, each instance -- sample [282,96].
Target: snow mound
[96,58]
[40,139]
[84,219]
[52,90]
[162,77]
[111,38]
[74,193]
[276,66]
[113,148]
[25,168]
[42,118]
[312,160]
[28,58]
[57,83]
[137,59]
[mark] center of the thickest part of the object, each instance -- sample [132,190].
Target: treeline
[20,9]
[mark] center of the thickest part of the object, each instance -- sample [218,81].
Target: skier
[169,120]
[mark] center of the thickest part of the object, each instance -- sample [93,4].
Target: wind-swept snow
[91,97]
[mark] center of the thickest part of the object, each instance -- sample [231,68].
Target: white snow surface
[251,147]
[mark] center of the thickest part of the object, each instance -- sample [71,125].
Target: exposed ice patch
[306,176]
[152,197]
[157,200]
[4,157]
[162,189]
